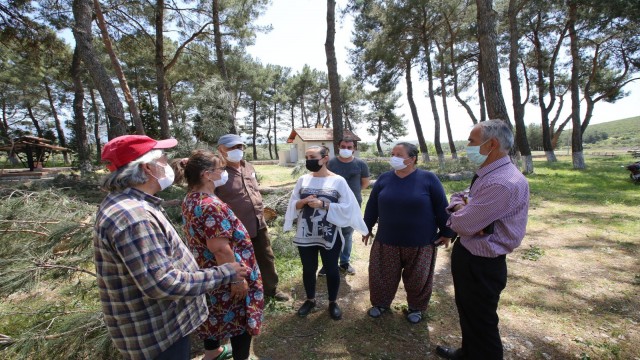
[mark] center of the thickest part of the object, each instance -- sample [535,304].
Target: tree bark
[79,122]
[432,99]
[414,112]
[255,129]
[481,99]
[4,126]
[34,121]
[487,39]
[445,107]
[518,105]
[275,128]
[334,78]
[454,71]
[217,41]
[379,137]
[577,155]
[82,12]
[269,137]
[124,85]
[61,138]
[96,127]
[160,73]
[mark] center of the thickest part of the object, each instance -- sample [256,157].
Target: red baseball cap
[124,149]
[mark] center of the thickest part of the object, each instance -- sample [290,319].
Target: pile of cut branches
[49,306]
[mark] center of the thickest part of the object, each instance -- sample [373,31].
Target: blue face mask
[473,153]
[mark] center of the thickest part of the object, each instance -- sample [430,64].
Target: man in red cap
[151,289]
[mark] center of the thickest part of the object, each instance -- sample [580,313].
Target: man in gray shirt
[356,172]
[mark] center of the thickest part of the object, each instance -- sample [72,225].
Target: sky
[298,37]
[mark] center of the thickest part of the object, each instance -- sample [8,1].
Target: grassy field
[573,290]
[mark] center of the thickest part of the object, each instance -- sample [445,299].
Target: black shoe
[449,353]
[322,272]
[334,311]
[306,308]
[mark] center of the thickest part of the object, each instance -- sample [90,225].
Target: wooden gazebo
[32,151]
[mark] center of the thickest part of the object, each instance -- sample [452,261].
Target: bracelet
[236,282]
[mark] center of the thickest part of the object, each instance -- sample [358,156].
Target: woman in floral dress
[216,236]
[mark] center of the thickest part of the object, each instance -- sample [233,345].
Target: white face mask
[397,163]
[224,177]
[346,153]
[235,155]
[168,177]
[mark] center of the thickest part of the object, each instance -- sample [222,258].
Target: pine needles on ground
[49,307]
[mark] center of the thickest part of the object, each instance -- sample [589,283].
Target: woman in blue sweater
[409,206]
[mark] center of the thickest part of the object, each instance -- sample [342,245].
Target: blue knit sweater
[410,211]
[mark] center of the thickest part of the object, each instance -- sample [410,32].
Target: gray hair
[130,174]
[498,129]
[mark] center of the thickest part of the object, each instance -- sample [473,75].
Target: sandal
[414,316]
[225,354]
[376,311]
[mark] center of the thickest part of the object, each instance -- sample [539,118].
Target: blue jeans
[345,255]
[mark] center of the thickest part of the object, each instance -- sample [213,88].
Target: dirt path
[356,336]
[579,298]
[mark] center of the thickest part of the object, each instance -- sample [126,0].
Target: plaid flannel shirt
[151,288]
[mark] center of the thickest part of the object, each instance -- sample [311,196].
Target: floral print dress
[205,216]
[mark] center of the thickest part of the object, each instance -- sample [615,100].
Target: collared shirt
[500,195]
[150,286]
[242,194]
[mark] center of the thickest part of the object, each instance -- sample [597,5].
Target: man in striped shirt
[151,289]
[490,219]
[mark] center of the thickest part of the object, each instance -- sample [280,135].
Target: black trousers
[180,350]
[240,345]
[478,282]
[309,259]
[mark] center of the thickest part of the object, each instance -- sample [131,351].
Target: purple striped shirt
[500,195]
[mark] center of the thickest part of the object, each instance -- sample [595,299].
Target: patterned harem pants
[387,264]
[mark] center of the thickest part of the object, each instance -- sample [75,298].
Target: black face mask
[312,165]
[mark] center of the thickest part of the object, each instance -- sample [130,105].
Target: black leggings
[240,344]
[309,258]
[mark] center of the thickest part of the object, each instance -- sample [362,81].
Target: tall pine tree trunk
[83,12]
[34,121]
[445,107]
[255,129]
[79,122]
[61,138]
[275,129]
[432,100]
[96,122]
[481,99]
[414,112]
[576,136]
[124,85]
[518,105]
[379,137]
[217,41]
[159,62]
[269,137]
[334,78]
[487,38]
